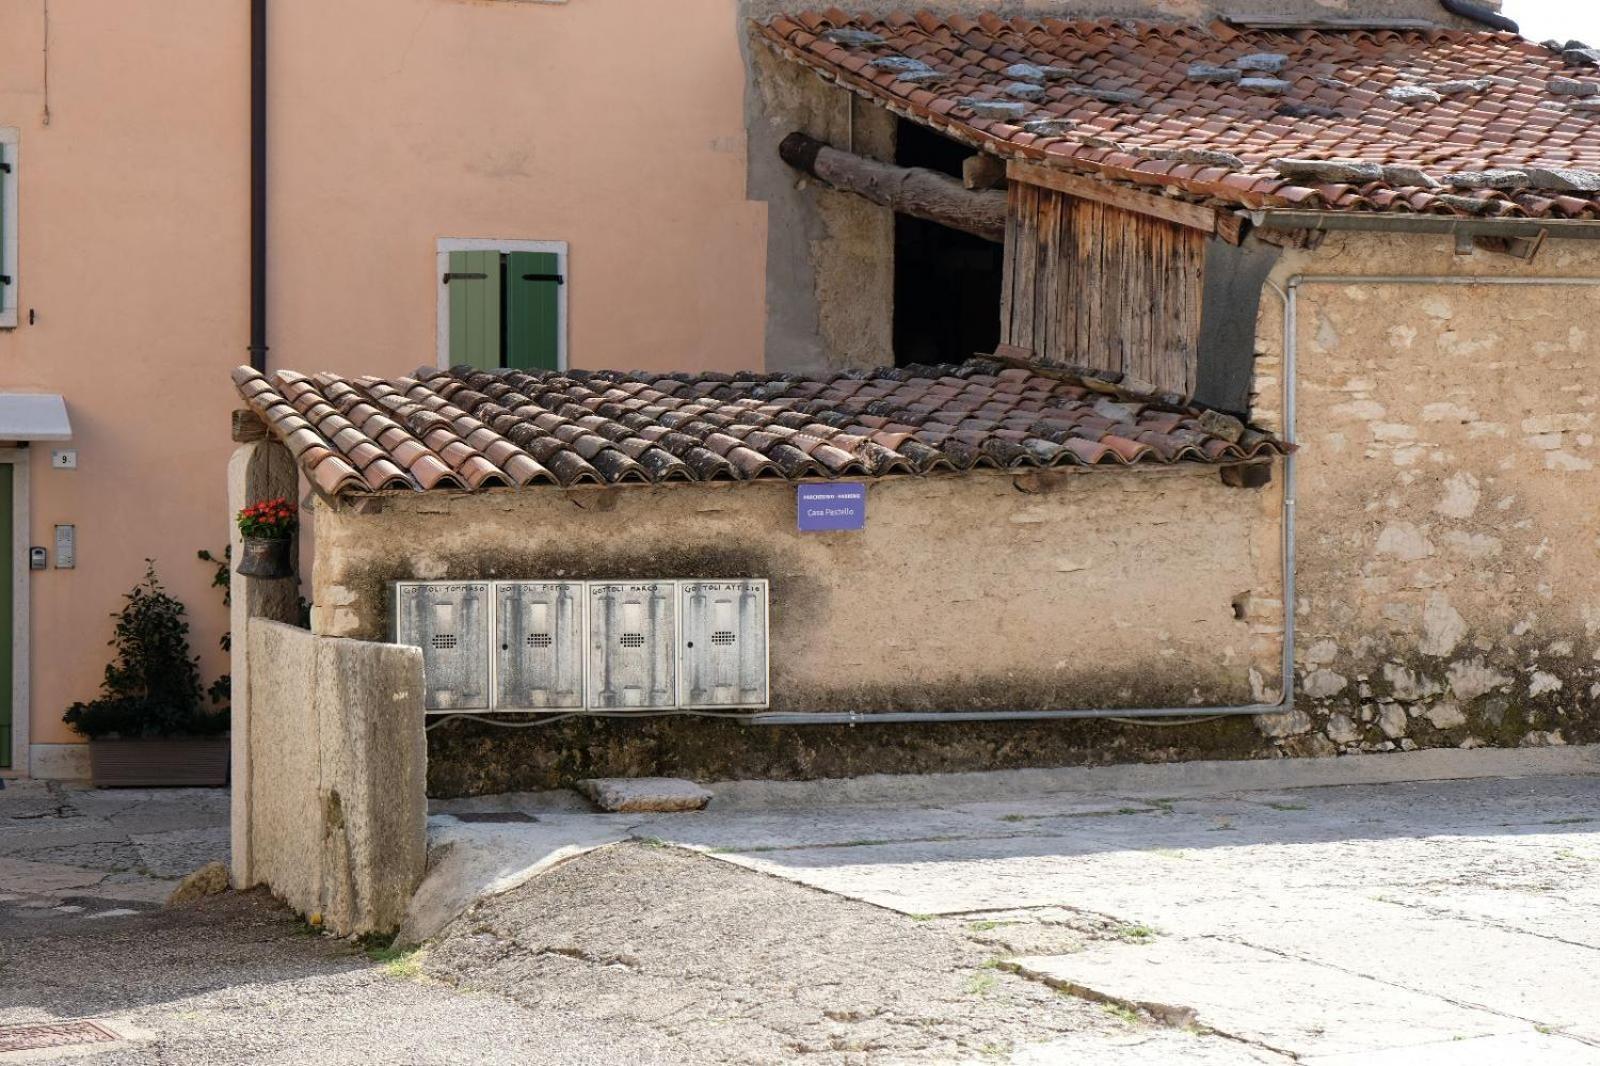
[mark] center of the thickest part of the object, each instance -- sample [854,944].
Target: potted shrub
[267,529]
[149,728]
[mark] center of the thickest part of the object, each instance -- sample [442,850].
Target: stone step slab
[1287,1005]
[634,795]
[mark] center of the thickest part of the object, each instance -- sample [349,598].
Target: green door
[6,470]
[474,280]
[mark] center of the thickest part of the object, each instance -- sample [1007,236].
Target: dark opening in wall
[946,283]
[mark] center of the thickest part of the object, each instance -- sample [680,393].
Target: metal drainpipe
[258,185]
[1285,703]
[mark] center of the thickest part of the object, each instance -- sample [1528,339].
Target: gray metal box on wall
[449,621]
[631,644]
[722,658]
[539,633]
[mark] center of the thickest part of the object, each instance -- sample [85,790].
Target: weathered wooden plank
[247,426]
[1092,284]
[1026,263]
[1085,188]
[1045,274]
[1008,279]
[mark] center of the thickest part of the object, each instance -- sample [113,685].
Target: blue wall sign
[833,506]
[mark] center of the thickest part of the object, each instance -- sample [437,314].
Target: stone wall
[1447,525]
[830,254]
[334,812]
[990,591]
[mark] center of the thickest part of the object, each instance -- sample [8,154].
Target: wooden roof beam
[1180,212]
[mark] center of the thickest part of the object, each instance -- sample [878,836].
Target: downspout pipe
[258,185]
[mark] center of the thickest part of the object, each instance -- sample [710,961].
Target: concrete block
[338,821]
[637,794]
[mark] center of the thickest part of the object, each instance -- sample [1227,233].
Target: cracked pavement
[1442,921]
[68,849]
[992,918]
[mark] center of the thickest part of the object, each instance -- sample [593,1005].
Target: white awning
[33,416]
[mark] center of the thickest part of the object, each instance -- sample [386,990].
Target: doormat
[53,1035]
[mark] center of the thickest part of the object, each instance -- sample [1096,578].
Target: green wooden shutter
[474,280]
[533,311]
[8,174]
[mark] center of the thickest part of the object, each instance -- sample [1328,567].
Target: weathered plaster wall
[830,267]
[1448,533]
[1073,590]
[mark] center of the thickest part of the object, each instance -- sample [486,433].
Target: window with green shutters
[8,226]
[503,304]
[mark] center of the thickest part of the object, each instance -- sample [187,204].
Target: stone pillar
[339,827]
[259,470]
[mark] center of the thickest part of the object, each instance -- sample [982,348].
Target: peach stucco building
[394,125]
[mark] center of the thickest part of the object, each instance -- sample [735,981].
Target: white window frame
[486,244]
[9,245]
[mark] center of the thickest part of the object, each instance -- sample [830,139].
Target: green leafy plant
[152,686]
[269,520]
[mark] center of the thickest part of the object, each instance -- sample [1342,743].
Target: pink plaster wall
[394,123]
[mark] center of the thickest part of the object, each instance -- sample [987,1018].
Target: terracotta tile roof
[1203,112]
[471,429]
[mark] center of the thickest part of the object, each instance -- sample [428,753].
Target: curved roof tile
[473,430]
[1335,106]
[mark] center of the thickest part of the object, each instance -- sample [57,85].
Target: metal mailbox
[631,643]
[722,646]
[539,634]
[449,621]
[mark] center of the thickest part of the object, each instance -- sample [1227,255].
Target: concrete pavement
[1124,916]
[1440,920]
[66,849]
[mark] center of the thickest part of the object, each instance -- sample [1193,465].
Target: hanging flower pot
[268,530]
[267,557]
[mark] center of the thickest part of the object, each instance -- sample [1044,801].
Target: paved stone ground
[1443,922]
[70,850]
[1454,921]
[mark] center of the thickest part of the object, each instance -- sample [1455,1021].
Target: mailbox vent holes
[722,636]
[540,640]
[444,640]
[632,640]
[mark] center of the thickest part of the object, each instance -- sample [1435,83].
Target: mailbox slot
[631,638]
[722,645]
[539,635]
[449,621]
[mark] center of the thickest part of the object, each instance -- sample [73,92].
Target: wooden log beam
[912,191]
